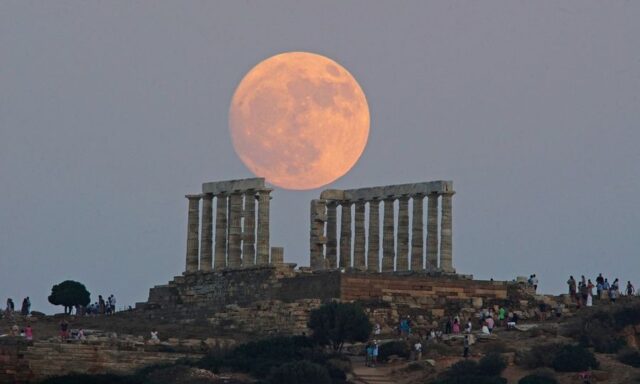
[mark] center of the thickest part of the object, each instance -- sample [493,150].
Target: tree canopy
[334,323]
[69,293]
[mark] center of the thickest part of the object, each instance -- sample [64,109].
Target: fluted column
[446,234]
[206,241]
[345,235]
[373,251]
[193,226]
[317,239]
[402,258]
[359,261]
[263,227]
[221,232]
[388,240]
[432,231]
[235,230]
[416,235]
[332,240]
[249,229]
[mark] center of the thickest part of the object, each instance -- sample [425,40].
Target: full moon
[299,119]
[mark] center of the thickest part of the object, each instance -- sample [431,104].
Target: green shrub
[471,372]
[334,323]
[602,338]
[463,368]
[398,348]
[300,372]
[540,355]
[492,364]
[93,379]
[574,358]
[630,356]
[537,379]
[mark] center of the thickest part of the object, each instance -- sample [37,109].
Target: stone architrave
[193,226]
[417,259]
[249,229]
[402,257]
[206,240]
[263,227]
[446,234]
[388,239]
[235,230]
[332,233]
[345,235]
[359,261]
[316,236]
[432,231]
[220,260]
[373,251]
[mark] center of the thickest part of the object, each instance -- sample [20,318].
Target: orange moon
[299,119]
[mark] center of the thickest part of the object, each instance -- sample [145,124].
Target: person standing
[418,350]
[502,313]
[630,289]
[466,346]
[101,305]
[28,332]
[375,353]
[572,287]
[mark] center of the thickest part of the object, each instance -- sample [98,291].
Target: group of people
[102,306]
[582,291]
[25,310]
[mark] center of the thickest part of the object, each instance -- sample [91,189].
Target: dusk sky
[112,111]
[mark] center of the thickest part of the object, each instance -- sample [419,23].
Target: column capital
[404,197]
[208,196]
[448,193]
[194,197]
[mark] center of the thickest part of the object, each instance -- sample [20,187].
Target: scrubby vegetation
[399,348]
[299,372]
[335,323]
[630,356]
[600,329]
[540,355]
[486,371]
[574,358]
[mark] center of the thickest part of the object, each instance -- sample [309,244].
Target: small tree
[69,293]
[334,323]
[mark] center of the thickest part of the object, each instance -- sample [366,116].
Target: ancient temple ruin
[239,242]
[325,253]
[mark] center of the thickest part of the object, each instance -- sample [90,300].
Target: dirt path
[371,375]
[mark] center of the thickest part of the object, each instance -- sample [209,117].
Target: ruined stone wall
[23,362]
[209,292]
[420,290]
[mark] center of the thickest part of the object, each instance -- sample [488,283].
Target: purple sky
[110,112]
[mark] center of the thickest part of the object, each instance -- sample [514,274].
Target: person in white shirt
[418,349]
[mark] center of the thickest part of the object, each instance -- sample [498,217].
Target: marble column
[446,234]
[359,261]
[432,231]
[206,240]
[263,227]
[402,258]
[193,226]
[388,239]
[249,229]
[332,240]
[417,247]
[316,236]
[235,230]
[345,235]
[373,251]
[221,232]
